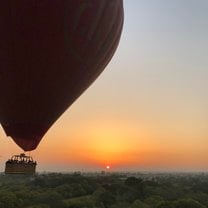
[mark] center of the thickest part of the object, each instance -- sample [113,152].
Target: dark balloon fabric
[50,52]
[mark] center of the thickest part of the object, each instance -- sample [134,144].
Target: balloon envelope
[50,52]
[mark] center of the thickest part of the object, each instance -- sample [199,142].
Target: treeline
[103,191]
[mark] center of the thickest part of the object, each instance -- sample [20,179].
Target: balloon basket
[20,164]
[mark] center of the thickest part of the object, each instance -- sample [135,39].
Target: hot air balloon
[50,52]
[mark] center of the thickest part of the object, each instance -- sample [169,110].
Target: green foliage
[139,204]
[104,191]
[80,202]
[154,201]
[188,203]
[9,200]
[39,206]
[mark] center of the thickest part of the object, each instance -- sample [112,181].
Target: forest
[115,190]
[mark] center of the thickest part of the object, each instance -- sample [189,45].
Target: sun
[107,167]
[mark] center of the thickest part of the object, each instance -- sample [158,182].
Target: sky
[148,109]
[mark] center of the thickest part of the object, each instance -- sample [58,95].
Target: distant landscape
[104,190]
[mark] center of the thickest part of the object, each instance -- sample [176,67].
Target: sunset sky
[149,108]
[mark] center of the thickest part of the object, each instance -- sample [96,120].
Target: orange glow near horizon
[117,144]
[121,145]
